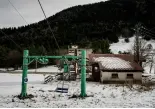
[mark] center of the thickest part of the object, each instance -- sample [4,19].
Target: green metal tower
[44,60]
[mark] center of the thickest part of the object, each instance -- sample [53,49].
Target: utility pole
[137,51]
[154,68]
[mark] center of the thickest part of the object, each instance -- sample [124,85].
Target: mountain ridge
[85,25]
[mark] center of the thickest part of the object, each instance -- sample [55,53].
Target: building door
[96,72]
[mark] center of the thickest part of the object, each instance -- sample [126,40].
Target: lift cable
[11,40]
[17,11]
[21,17]
[48,24]
[148,33]
[148,30]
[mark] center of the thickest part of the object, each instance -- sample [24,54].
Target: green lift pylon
[83,74]
[24,74]
[43,59]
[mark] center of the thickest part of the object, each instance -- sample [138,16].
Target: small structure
[115,68]
[74,50]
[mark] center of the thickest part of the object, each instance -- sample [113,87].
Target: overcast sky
[31,10]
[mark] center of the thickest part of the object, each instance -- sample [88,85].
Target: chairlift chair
[62,88]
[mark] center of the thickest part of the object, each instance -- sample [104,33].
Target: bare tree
[141,50]
[151,63]
[143,53]
[138,50]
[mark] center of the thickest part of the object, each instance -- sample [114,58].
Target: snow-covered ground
[104,95]
[46,69]
[43,69]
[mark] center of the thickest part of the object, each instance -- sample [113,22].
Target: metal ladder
[48,79]
[51,78]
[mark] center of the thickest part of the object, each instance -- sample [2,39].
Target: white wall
[122,76]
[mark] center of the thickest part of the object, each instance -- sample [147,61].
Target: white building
[115,68]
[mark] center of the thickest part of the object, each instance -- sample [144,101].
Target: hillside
[82,25]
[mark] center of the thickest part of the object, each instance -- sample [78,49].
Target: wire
[146,32]
[153,28]
[48,24]
[11,39]
[17,11]
[21,17]
[147,29]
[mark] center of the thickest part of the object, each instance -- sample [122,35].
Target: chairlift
[62,88]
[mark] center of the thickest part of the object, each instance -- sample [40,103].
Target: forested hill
[82,25]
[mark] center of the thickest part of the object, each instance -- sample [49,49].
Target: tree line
[90,26]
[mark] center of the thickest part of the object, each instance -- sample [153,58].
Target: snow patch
[122,46]
[113,63]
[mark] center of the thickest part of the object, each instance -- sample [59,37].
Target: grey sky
[31,10]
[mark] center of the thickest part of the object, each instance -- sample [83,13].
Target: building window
[129,76]
[114,75]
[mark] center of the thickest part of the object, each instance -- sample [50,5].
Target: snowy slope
[123,46]
[103,95]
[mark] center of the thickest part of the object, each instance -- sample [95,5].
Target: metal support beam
[66,70]
[24,75]
[55,57]
[83,74]
[44,60]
